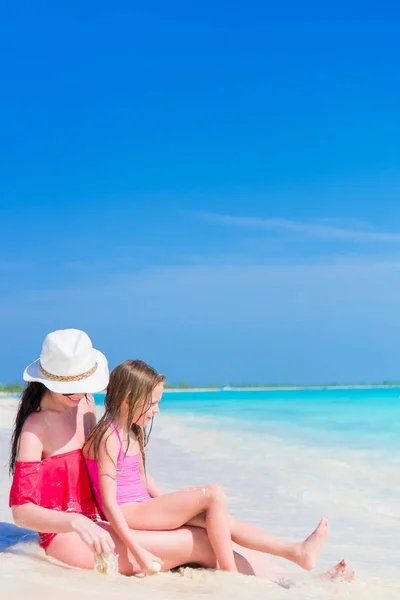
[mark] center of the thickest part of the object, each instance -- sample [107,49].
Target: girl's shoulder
[111,438]
[103,441]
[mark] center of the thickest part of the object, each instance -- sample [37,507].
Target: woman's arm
[37,518]
[46,520]
[30,515]
[107,464]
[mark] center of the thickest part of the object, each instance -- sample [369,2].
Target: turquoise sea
[285,459]
[367,418]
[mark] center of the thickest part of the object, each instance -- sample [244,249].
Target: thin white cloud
[322,229]
[345,223]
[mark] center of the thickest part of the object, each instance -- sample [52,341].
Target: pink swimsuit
[130,487]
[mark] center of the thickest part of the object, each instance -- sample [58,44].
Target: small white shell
[156,566]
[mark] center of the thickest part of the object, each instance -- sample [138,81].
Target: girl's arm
[151,486]
[107,461]
[37,518]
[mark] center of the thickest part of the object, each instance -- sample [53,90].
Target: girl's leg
[303,553]
[174,510]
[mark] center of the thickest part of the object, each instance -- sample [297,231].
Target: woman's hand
[98,539]
[148,563]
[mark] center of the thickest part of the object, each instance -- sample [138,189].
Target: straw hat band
[68,377]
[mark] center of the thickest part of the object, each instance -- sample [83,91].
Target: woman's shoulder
[90,400]
[30,446]
[35,423]
[88,404]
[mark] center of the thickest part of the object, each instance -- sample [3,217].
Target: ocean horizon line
[255,388]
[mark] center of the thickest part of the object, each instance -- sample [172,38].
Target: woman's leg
[175,548]
[252,562]
[303,553]
[174,510]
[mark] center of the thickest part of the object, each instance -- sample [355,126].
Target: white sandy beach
[180,456]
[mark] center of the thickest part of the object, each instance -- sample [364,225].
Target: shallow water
[282,469]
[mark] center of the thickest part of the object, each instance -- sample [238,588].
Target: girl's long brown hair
[134,380]
[29,403]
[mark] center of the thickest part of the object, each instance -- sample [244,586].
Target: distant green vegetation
[16,388]
[11,388]
[183,385]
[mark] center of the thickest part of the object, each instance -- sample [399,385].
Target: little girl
[129,498]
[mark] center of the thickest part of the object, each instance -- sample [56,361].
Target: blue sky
[215,191]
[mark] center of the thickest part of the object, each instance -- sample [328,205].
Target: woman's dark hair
[29,403]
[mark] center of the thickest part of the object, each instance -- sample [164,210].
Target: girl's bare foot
[307,551]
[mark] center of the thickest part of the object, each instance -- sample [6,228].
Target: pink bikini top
[130,487]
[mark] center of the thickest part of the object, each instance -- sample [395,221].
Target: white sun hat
[69,364]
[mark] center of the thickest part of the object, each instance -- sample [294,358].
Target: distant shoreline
[271,388]
[287,388]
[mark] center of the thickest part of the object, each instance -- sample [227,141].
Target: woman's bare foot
[341,572]
[306,552]
[349,576]
[337,572]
